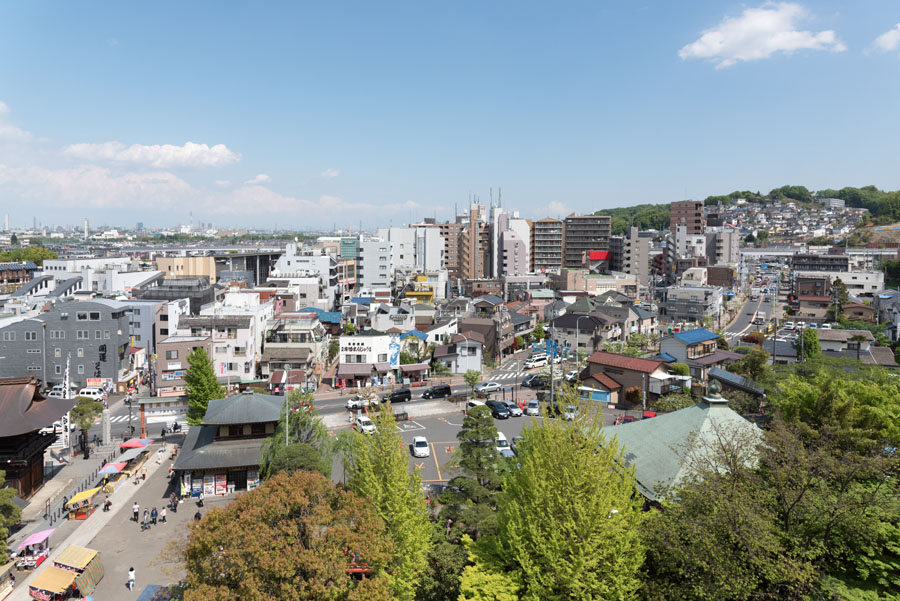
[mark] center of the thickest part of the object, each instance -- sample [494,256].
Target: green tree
[333,350]
[306,433]
[440,575]
[298,456]
[471,377]
[539,333]
[292,539]
[840,292]
[810,346]
[377,467]
[10,514]
[468,502]
[680,369]
[753,365]
[858,340]
[13,239]
[349,329]
[568,516]
[85,412]
[673,402]
[200,385]
[407,358]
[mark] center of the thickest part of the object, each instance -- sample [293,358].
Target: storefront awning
[382,368]
[354,369]
[82,499]
[75,557]
[414,367]
[53,580]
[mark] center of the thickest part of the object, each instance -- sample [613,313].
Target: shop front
[82,505]
[84,564]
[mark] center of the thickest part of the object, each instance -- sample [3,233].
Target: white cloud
[330,173]
[95,187]
[160,156]
[757,34]
[8,131]
[889,40]
[558,208]
[261,178]
[223,183]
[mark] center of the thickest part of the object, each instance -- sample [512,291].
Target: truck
[759,318]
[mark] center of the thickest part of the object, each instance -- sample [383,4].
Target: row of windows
[84,316]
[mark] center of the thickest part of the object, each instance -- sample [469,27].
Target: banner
[64,420]
[221,484]
[394,351]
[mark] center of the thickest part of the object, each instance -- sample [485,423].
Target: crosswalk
[509,375]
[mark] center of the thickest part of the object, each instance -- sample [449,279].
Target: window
[81,316]
[81,369]
[257,429]
[57,369]
[171,354]
[34,368]
[235,430]
[30,335]
[164,317]
[82,335]
[34,351]
[9,336]
[97,335]
[382,358]
[80,352]
[163,332]
[57,352]
[95,316]
[106,334]
[137,337]
[135,311]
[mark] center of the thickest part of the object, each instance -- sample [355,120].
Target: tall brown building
[450,233]
[475,245]
[546,245]
[584,233]
[688,213]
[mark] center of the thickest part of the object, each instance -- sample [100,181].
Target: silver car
[487,387]
[533,408]
[514,410]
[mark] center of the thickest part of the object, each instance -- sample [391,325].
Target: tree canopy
[35,254]
[10,514]
[200,385]
[305,534]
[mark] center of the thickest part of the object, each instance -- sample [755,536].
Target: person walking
[143,473]
[200,500]
[136,511]
[162,515]
[174,503]
[153,516]
[130,584]
[145,524]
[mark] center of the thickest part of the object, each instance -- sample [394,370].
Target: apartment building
[723,247]
[688,213]
[546,245]
[811,262]
[475,245]
[582,234]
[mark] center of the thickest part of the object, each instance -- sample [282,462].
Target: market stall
[32,551]
[85,564]
[51,584]
[112,475]
[82,505]
[134,458]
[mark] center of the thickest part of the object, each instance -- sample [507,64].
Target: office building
[582,234]
[546,245]
[688,213]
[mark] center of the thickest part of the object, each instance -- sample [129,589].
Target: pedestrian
[143,473]
[107,504]
[153,515]
[145,524]
[174,499]
[162,515]
[130,584]
[197,517]
[200,500]
[135,510]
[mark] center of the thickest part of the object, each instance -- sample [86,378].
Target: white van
[92,392]
[536,361]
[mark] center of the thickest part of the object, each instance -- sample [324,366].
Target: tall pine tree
[201,385]
[377,468]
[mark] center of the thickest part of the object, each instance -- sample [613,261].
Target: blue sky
[306,115]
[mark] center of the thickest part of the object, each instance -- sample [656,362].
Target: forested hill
[884,206]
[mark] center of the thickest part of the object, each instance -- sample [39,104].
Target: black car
[536,381]
[498,409]
[554,410]
[436,392]
[398,396]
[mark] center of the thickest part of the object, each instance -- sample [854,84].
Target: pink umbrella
[136,443]
[37,537]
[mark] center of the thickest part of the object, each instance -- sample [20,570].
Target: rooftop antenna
[499,197]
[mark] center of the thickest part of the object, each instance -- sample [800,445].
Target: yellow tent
[76,557]
[82,499]
[53,580]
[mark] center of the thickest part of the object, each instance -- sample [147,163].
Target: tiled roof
[843,335]
[605,381]
[624,362]
[243,409]
[812,298]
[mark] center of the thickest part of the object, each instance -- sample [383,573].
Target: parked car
[801,325]
[436,392]
[364,425]
[572,376]
[553,410]
[401,395]
[501,443]
[486,387]
[533,362]
[515,442]
[825,326]
[474,403]
[814,325]
[57,394]
[420,447]
[789,325]
[624,419]
[536,381]
[508,453]
[570,412]
[514,410]
[533,408]
[93,392]
[498,409]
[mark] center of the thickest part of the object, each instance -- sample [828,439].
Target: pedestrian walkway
[81,533]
